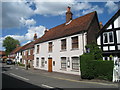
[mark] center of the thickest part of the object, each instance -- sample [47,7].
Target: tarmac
[69,77]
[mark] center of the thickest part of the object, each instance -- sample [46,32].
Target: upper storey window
[37,48]
[50,47]
[75,42]
[63,44]
[108,37]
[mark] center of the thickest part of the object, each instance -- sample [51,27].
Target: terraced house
[59,48]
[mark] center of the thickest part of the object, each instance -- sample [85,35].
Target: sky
[21,19]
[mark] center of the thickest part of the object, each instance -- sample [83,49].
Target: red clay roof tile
[75,26]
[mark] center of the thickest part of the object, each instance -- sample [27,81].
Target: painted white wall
[117,22]
[57,53]
[98,40]
[18,56]
[118,36]
[110,27]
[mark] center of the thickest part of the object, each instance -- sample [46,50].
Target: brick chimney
[68,14]
[101,25]
[46,30]
[35,36]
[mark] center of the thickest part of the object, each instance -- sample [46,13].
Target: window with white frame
[75,42]
[37,48]
[63,63]
[63,44]
[75,63]
[37,62]
[108,37]
[42,62]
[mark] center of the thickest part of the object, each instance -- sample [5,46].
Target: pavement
[68,77]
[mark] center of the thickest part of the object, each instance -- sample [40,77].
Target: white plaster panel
[112,47]
[98,40]
[110,27]
[118,47]
[118,36]
[117,22]
[105,48]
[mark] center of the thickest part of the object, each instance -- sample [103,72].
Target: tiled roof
[2,52]
[75,26]
[16,50]
[117,14]
[28,45]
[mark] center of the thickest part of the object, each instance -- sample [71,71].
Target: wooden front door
[50,65]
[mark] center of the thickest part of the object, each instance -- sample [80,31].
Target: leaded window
[63,62]
[75,63]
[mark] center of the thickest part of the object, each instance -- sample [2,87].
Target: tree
[10,44]
[94,50]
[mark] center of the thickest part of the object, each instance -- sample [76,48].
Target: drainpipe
[83,41]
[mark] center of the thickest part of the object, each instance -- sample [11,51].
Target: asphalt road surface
[17,77]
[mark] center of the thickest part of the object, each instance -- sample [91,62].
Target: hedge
[91,68]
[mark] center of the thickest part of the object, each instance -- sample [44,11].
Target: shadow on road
[9,82]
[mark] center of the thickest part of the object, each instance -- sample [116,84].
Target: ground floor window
[75,63]
[37,62]
[63,62]
[42,62]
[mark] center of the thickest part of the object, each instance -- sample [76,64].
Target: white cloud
[54,8]
[39,30]
[32,30]
[94,8]
[111,6]
[13,11]
[27,22]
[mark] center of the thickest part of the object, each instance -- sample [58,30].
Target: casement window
[37,62]
[63,44]
[42,62]
[63,63]
[75,63]
[50,47]
[105,38]
[108,37]
[37,48]
[75,42]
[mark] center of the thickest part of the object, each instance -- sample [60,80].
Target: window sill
[75,70]
[49,52]
[63,50]
[63,69]
[74,49]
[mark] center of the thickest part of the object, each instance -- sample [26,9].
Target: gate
[116,70]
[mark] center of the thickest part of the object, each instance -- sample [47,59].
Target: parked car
[10,62]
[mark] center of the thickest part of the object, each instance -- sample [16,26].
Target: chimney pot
[68,14]
[101,25]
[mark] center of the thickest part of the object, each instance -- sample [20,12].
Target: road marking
[83,81]
[47,86]
[19,76]
[16,68]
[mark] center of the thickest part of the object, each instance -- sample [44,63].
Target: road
[17,77]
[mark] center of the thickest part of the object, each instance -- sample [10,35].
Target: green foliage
[10,44]
[104,69]
[95,50]
[91,68]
